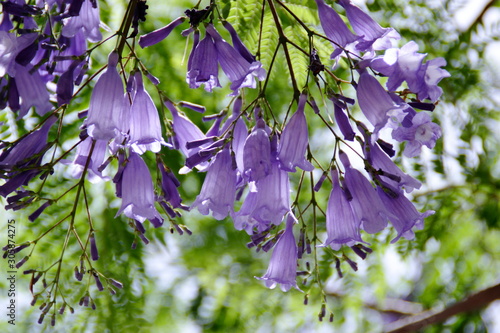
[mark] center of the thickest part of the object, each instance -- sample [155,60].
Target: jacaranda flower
[335,28]
[96,160]
[257,153]
[239,71]
[294,141]
[404,216]
[106,103]
[88,21]
[145,128]
[32,90]
[283,264]
[342,225]
[137,192]
[365,202]
[202,65]
[160,34]
[219,188]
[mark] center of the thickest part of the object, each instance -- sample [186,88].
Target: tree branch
[471,303]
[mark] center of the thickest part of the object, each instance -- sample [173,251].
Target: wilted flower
[342,225]
[294,141]
[106,103]
[137,192]
[145,128]
[219,188]
[283,264]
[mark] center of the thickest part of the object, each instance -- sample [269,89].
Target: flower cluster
[250,157]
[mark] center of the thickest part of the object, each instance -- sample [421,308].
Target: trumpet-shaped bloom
[342,225]
[160,34]
[374,101]
[145,127]
[96,160]
[202,64]
[239,71]
[10,46]
[106,103]
[429,76]
[219,188]
[32,90]
[294,141]
[335,28]
[137,192]
[404,215]
[365,202]
[343,123]
[257,153]
[87,21]
[420,132]
[374,36]
[266,203]
[283,264]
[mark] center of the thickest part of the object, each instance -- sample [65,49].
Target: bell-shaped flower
[374,36]
[266,203]
[20,162]
[32,90]
[335,28]
[145,128]
[169,185]
[238,70]
[365,202]
[202,65]
[96,160]
[238,44]
[283,264]
[10,48]
[294,141]
[374,101]
[342,225]
[70,47]
[422,131]
[426,86]
[392,174]
[87,21]
[343,123]
[400,65]
[160,34]
[404,215]
[106,103]
[219,188]
[257,153]
[137,192]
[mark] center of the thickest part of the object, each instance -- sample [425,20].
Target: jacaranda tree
[313,137]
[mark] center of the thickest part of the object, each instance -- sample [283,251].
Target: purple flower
[137,192]
[10,48]
[430,75]
[342,225]
[96,160]
[404,216]
[202,64]
[381,161]
[283,264]
[87,21]
[219,188]
[239,133]
[374,101]
[145,127]
[74,46]
[65,84]
[365,202]
[32,90]
[106,103]
[266,203]
[169,185]
[294,141]
[238,44]
[400,65]
[257,153]
[160,34]
[374,36]
[239,71]
[421,132]
[343,123]
[335,28]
